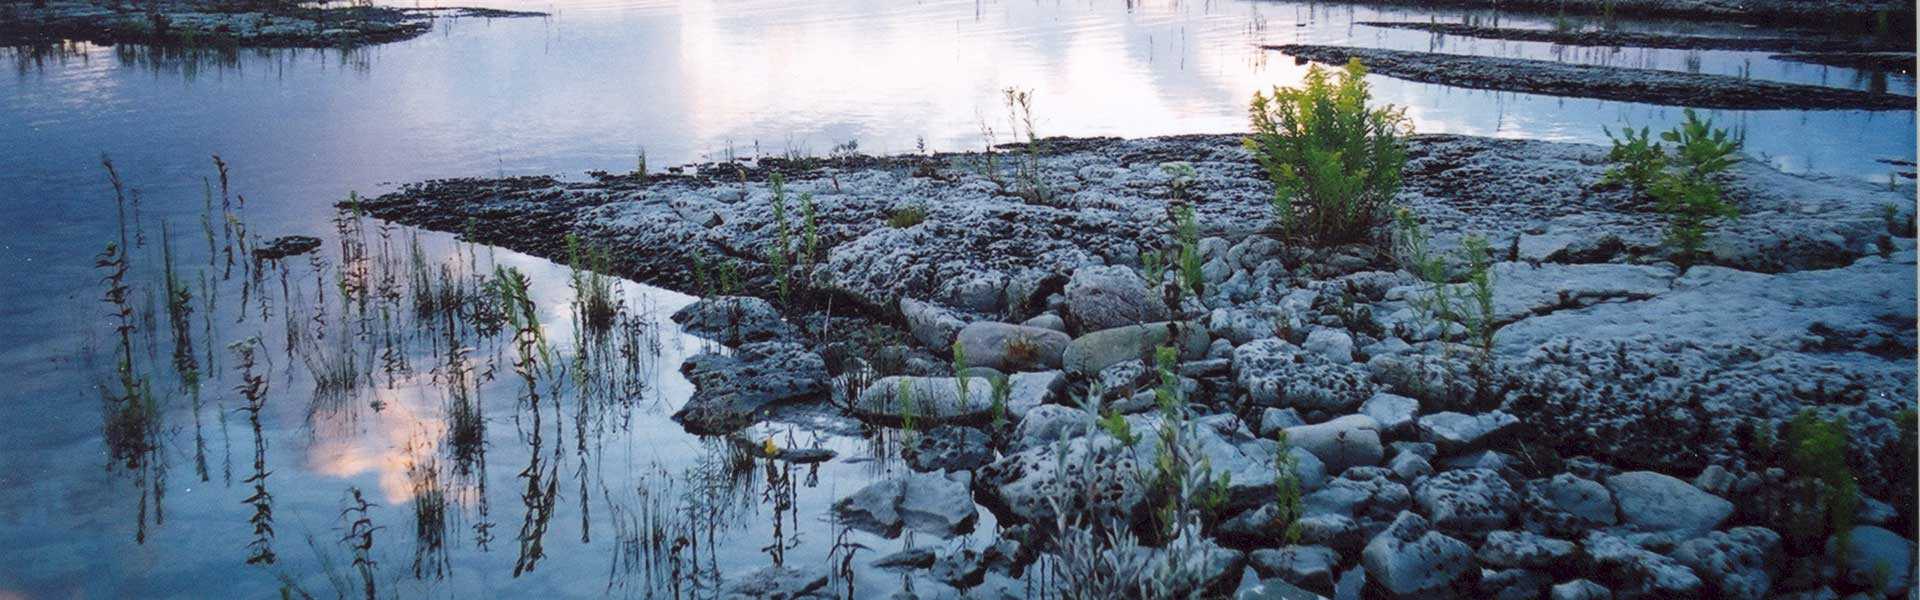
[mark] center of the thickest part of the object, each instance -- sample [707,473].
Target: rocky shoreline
[1601,445]
[231,24]
[1857,15]
[1608,38]
[1587,81]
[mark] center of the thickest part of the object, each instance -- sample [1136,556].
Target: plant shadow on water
[381,376]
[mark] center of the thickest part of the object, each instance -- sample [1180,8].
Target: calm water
[586,89]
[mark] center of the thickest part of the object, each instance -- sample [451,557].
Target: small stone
[932,325]
[1047,321]
[917,558]
[1570,505]
[1733,563]
[734,320]
[1647,574]
[1468,501]
[1273,420]
[773,583]
[932,503]
[950,448]
[1105,297]
[1012,347]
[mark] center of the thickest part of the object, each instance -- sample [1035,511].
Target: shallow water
[586,89]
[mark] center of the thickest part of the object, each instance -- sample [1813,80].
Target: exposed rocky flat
[1640,39]
[1860,15]
[1891,62]
[203,23]
[1599,446]
[1551,78]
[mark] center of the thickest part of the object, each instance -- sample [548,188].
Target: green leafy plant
[1334,162]
[1286,483]
[907,216]
[1823,497]
[903,394]
[1187,233]
[1637,160]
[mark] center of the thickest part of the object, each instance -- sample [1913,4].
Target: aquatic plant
[359,539]
[595,302]
[253,388]
[429,519]
[1335,163]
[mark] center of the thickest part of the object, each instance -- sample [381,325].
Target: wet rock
[926,399]
[1733,563]
[774,583]
[932,325]
[734,320]
[961,569]
[1394,413]
[1105,297]
[917,558]
[1310,567]
[1092,352]
[1454,432]
[1012,347]
[730,391]
[1352,440]
[1655,502]
[1875,556]
[1410,559]
[1521,549]
[1333,344]
[1276,373]
[950,448]
[1580,589]
[285,246]
[1569,505]
[936,504]
[1275,589]
[1468,501]
[1638,573]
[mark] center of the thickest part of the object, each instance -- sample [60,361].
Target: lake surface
[587,88]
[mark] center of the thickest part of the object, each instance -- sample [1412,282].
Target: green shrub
[1691,204]
[1334,162]
[1816,454]
[1701,149]
[1637,160]
[907,216]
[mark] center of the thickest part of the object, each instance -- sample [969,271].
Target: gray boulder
[1569,505]
[1047,424]
[1510,549]
[1032,482]
[1734,563]
[929,400]
[1455,432]
[1468,501]
[1333,344]
[1410,559]
[1638,572]
[1105,297]
[1092,352]
[1027,391]
[932,325]
[1394,413]
[1310,567]
[1011,347]
[936,504]
[1274,372]
[1654,502]
[1352,440]
[1875,556]
[1580,589]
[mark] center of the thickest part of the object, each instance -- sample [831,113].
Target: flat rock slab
[936,504]
[1636,39]
[1550,78]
